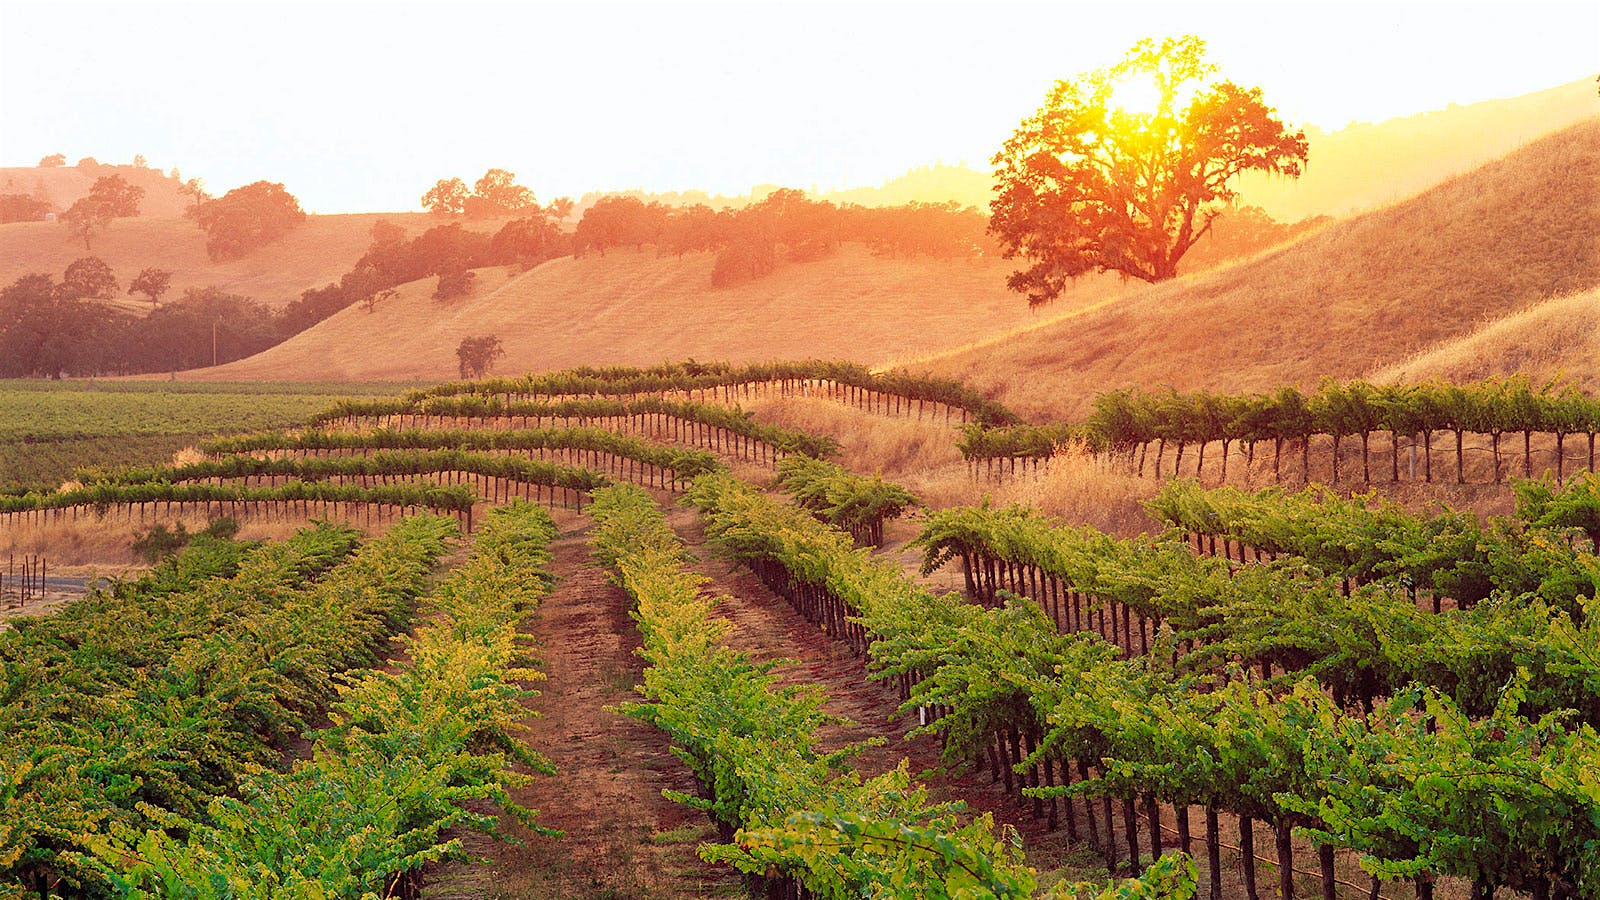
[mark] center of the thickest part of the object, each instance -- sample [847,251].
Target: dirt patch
[623,838]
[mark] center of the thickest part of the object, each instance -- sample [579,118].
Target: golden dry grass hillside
[630,308]
[1364,165]
[316,253]
[1355,297]
[1558,339]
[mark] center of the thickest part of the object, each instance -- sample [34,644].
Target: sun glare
[1137,95]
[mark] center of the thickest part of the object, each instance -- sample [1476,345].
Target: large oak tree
[247,218]
[1124,168]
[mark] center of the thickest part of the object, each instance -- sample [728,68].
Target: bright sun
[1137,95]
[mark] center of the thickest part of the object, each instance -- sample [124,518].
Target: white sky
[363,106]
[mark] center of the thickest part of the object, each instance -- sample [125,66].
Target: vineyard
[1426,433]
[50,428]
[1288,691]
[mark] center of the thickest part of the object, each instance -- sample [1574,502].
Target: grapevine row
[142,727]
[495,476]
[1417,787]
[1291,618]
[409,750]
[858,504]
[891,393]
[785,812]
[619,455]
[1129,421]
[294,499]
[718,428]
[1447,553]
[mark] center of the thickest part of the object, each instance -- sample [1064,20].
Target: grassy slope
[638,308]
[316,253]
[1345,301]
[1558,339]
[1363,165]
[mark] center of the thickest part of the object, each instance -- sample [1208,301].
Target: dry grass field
[1558,339]
[1343,302]
[1365,165]
[316,253]
[630,308]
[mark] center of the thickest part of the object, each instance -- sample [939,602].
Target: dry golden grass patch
[106,544]
[1558,339]
[1079,488]
[919,454]
[639,308]
[1073,485]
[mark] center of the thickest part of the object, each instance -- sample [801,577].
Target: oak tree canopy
[1123,169]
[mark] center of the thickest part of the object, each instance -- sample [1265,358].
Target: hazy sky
[363,106]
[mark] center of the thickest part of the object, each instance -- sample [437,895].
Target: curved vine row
[146,726]
[1129,421]
[1417,787]
[408,750]
[782,805]
[620,455]
[858,504]
[305,499]
[844,381]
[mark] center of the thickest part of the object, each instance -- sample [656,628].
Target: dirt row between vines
[622,838]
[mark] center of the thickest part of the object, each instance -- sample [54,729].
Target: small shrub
[160,542]
[454,284]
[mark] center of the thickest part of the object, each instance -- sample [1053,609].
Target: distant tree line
[750,241]
[446,252]
[55,329]
[494,196]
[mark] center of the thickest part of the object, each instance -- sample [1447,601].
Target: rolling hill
[318,252]
[640,308]
[1558,339]
[1364,165]
[61,186]
[1350,299]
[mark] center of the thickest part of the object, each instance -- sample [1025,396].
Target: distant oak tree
[152,283]
[195,190]
[454,283]
[85,219]
[52,161]
[497,194]
[89,277]
[111,197]
[447,197]
[119,198]
[475,355]
[1123,169]
[248,218]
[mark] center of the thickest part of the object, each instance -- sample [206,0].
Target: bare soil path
[623,838]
